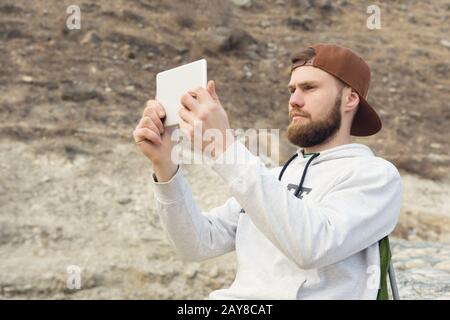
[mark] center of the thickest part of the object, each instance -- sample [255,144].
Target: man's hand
[202,107]
[154,140]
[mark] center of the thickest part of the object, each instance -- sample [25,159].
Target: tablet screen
[172,84]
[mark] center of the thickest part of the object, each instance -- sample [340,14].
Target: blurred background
[75,190]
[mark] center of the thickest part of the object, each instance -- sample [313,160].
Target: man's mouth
[296,117]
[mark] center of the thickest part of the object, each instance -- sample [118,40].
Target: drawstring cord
[300,185]
[285,165]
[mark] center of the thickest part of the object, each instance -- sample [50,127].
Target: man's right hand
[154,140]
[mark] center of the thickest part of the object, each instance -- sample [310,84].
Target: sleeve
[195,235]
[360,209]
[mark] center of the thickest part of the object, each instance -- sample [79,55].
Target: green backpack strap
[385,260]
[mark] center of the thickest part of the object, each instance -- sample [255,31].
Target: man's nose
[296,100]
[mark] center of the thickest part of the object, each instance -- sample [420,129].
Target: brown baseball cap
[350,68]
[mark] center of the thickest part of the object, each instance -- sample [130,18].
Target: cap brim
[366,121]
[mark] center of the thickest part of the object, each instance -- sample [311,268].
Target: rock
[89,7]
[131,16]
[444,265]
[184,21]
[27,79]
[413,264]
[236,40]
[242,3]
[412,19]
[442,69]
[191,271]
[124,201]
[79,93]
[445,43]
[326,5]
[139,43]
[435,145]
[416,278]
[272,47]
[214,272]
[127,53]
[92,38]
[147,66]
[181,49]
[247,72]
[305,22]
[422,53]
[229,40]
[11,9]
[46,179]
[265,24]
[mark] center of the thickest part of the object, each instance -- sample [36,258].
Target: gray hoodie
[309,230]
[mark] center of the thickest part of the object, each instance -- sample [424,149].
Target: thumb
[211,87]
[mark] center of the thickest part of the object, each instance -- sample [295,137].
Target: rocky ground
[74,189]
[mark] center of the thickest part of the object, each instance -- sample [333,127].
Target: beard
[314,133]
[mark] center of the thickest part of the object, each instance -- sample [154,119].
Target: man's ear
[351,101]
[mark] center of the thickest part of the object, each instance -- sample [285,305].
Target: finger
[141,123]
[211,88]
[143,134]
[147,122]
[160,110]
[137,135]
[201,94]
[155,105]
[189,102]
[156,120]
[187,116]
[186,128]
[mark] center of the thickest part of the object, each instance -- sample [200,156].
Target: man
[309,230]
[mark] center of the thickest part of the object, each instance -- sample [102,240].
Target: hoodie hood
[349,150]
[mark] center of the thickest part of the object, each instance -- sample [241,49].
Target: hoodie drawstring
[286,164]
[300,185]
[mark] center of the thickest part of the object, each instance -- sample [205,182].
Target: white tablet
[172,84]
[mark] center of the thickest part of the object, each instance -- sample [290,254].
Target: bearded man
[311,229]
